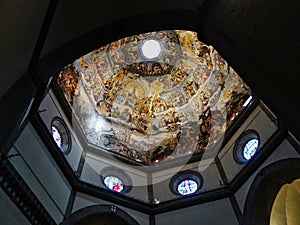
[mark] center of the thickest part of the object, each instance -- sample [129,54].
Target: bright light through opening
[250,148]
[56,136]
[114,183]
[151,49]
[187,187]
[247,101]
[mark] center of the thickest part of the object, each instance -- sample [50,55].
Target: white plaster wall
[258,121]
[161,179]
[82,201]
[50,108]
[41,173]
[94,164]
[212,213]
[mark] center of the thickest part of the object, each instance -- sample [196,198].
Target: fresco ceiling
[154,96]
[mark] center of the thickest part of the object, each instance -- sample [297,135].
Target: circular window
[151,49]
[246,146]
[186,183]
[187,187]
[61,135]
[114,183]
[56,136]
[250,148]
[115,179]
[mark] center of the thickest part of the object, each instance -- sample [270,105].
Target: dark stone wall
[261,40]
[13,106]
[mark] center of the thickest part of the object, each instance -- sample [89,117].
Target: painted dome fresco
[154,96]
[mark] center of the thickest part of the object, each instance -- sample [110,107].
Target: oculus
[187,187]
[56,136]
[186,183]
[154,96]
[61,135]
[151,49]
[113,183]
[250,148]
[246,146]
[116,179]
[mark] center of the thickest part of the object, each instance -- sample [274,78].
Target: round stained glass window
[187,187]
[114,183]
[186,183]
[61,135]
[250,148]
[116,179]
[246,146]
[56,136]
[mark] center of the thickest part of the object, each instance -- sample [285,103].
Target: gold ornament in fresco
[151,109]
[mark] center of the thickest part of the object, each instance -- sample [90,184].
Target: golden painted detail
[191,87]
[68,82]
[149,111]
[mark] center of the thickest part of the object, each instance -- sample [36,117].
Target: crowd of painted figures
[149,110]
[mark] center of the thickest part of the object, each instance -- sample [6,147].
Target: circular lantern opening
[151,49]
